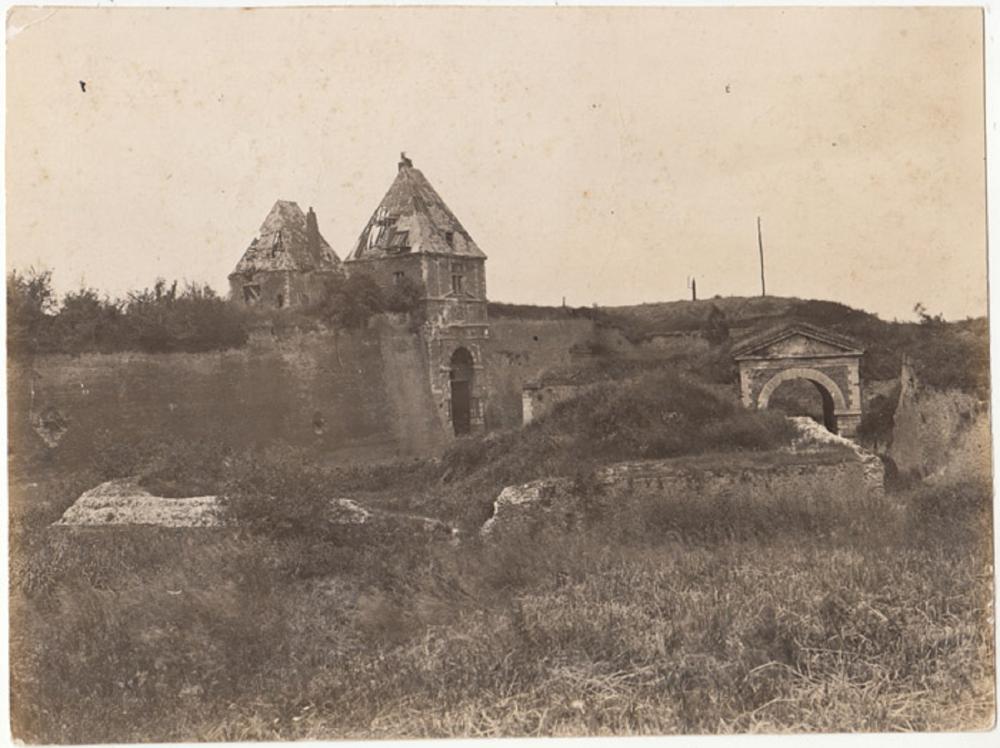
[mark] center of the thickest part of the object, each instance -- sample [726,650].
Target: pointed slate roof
[288,240]
[412,219]
[756,344]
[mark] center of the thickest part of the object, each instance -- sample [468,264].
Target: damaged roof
[288,240]
[412,218]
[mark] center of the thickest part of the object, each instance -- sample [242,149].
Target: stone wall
[622,490]
[280,289]
[344,396]
[536,401]
[518,351]
[360,395]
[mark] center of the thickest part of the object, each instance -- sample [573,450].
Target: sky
[604,155]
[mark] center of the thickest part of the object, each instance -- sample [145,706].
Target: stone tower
[413,235]
[286,263]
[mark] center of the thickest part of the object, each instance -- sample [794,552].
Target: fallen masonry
[819,467]
[123,502]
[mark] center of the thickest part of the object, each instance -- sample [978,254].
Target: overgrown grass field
[873,617]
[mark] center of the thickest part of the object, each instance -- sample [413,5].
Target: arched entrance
[798,351]
[830,394]
[461,375]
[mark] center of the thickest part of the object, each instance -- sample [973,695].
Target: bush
[878,419]
[350,301]
[406,296]
[30,304]
[187,467]
[279,497]
[157,320]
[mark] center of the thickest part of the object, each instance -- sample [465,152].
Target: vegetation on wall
[160,319]
[166,318]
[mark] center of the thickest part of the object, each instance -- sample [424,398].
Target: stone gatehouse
[831,362]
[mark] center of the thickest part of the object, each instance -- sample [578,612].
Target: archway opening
[804,397]
[461,376]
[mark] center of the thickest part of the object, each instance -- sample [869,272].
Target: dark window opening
[399,241]
[251,293]
[397,277]
[280,300]
[449,236]
[456,284]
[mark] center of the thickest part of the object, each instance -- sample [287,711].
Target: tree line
[170,317]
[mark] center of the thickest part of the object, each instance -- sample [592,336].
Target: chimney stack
[404,162]
[312,230]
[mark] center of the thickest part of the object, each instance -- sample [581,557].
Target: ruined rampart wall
[344,396]
[326,392]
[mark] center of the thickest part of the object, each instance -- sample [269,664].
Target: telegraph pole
[693,285]
[760,246]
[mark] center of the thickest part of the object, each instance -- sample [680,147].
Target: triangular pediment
[797,341]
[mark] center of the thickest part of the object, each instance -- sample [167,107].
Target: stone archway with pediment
[831,362]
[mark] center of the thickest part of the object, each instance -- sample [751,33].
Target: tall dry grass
[878,621]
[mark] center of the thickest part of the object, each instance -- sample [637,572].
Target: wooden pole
[760,246]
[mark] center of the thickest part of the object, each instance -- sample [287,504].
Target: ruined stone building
[286,263]
[413,238]
[413,235]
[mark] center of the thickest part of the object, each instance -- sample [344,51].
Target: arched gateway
[461,376]
[800,351]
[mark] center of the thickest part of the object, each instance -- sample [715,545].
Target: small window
[456,284]
[449,236]
[397,277]
[399,241]
[251,293]
[280,300]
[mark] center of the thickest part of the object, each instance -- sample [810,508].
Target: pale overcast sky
[603,155]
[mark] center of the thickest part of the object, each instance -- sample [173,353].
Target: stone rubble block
[123,502]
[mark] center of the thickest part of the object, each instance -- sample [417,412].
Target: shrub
[878,419]
[30,304]
[117,457]
[350,301]
[157,320]
[716,326]
[405,296]
[186,467]
[279,497]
